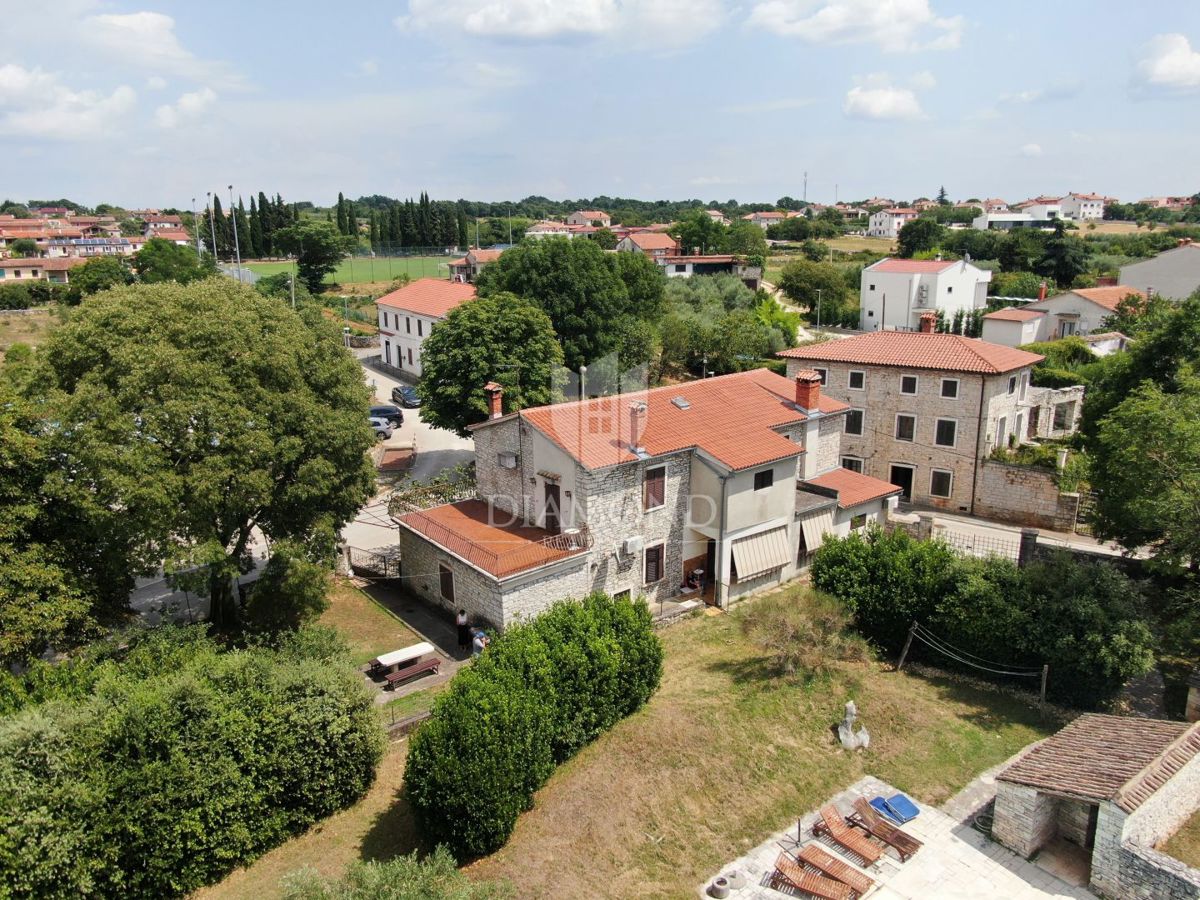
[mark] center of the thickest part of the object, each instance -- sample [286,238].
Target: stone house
[1106,790]
[709,490]
[926,409]
[407,315]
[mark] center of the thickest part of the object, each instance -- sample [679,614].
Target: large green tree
[744,239]
[1064,257]
[318,249]
[205,413]
[802,279]
[919,236]
[161,260]
[500,338]
[698,232]
[97,274]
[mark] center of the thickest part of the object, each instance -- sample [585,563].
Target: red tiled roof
[1086,196]
[698,258]
[912,266]
[1098,757]
[653,240]
[731,418]
[548,226]
[591,213]
[1013,314]
[469,530]
[431,297]
[172,234]
[854,488]
[916,350]
[1108,297]
[52,264]
[901,210]
[486,256]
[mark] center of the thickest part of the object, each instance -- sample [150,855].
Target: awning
[815,526]
[762,552]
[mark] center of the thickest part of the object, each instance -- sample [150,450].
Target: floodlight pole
[237,249]
[212,224]
[195,226]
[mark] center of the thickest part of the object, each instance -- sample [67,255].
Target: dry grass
[1184,844]
[29,328]
[725,754]
[855,243]
[368,628]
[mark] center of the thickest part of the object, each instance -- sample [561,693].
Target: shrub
[543,690]
[1083,619]
[176,763]
[436,877]
[805,636]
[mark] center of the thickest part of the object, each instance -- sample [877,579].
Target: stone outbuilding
[1114,787]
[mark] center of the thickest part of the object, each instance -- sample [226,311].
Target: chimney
[637,425]
[494,394]
[928,322]
[808,389]
[1042,291]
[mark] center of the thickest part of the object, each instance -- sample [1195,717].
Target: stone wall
[500,485]
[828,451]
[1045,401]
[1167,808]
[1024,495]
[1073,818]
[1025,820]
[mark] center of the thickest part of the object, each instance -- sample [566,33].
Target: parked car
[406,395]
[383,428]
[393,414]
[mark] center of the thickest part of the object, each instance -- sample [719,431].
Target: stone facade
[1024,495]
[1025,819]
[1056,411]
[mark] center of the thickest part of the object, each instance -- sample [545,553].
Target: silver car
[383,428]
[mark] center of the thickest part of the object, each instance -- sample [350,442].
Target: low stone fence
[1024,495]
[1145,872]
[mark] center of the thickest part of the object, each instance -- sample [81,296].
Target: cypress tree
[351,220]
[243,230]
[374,230]
[464,235]
[256,230]
[221,224]
[341,214]
[394,229]
[266,222]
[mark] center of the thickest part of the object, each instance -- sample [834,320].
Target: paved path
[1001,531]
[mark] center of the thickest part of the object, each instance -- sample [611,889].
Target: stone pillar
[1028,552]
[924,526]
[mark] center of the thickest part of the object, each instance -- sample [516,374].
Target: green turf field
[364,269]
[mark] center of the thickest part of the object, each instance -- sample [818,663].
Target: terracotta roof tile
[653,240]
[854,488]
[913,266]
[474,531]
[916,350]
[431,297]
[1108,297]
[1014,314]
[1099,757]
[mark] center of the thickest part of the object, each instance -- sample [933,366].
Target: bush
[435,877]
[175,762]
[542,691]
[1082,619]
[805,636]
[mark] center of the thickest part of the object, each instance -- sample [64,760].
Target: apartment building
[408,315]
[893,293]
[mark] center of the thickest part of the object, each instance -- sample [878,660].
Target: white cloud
[35,103]
[876,97]
[670,23]
[188,106]
[923,81]
[1061,91]
[147,40]
[1031,151]
[1169,63]
[155,83]
[894,25]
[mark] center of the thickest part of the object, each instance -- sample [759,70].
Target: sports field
[359,270]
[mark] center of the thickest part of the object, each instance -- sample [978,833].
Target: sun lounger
[796,876]
[898,808]
[865,815]
[844,836]
[827,864]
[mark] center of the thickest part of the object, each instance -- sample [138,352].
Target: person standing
[464,631]
[480,643]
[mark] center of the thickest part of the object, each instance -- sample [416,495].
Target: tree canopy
[161,260]
[802,279]
[919,236]
[318,248]
[501,338]
[98,274]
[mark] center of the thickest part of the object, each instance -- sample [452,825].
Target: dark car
[393,414]
[406,395]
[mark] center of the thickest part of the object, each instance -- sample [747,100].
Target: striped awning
[815,526]
[762,552]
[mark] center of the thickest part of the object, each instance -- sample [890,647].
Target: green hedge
[161,768]
[540,692]
[1083,619]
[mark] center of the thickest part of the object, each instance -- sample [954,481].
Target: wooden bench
[795,876]
[828,864]
[428,665]
[839,831]
[874,824]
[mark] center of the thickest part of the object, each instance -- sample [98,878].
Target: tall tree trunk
[222,611]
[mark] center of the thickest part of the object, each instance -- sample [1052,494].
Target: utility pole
[195,226]
[510,224]
[818,307]
[292,284]
[804,197]
[237,248]
[212,225]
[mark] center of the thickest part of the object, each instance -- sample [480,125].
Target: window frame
[916,385]
[651,474]
[957,386]
[857,522]
[933,473]
[660,552]
[896,429]
[824,373]
[767,474]
[855,460]
[850,380]
[862,422]
[445,573]
[937,425]
[1012,385]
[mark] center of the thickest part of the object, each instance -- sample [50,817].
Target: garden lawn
[1184,844]
[364,269]
[724,755]
[28,328]
[369,628]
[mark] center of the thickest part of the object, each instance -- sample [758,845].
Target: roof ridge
[1136,779]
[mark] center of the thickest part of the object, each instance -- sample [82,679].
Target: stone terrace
[956,863]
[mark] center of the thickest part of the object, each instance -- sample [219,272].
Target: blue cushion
[903,808]
[881,807]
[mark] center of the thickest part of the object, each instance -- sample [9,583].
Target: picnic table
[400,665]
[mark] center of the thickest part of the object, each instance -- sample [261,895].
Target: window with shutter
[654,564]
[654,489]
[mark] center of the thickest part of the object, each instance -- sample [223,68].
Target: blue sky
[143,103]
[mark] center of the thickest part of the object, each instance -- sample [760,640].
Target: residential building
[717,216]
[926,409]
[541,230]
[467,268]
[1083,207]
[1174,203]
[407,315]
[878,201]
[1081,312]
[1174,273]
[652,243]
[894,292]
[712,264]
[887,222]
[57,271]
[174,235]
[712,489]
[1006,221]
[765,220]
[89,246]
[1042,207]
[995,205]
[589,217]
[155,223]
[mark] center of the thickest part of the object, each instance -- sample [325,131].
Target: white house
[717,216]
[765,219]
[1081,311]
[588,217]
[887,222]
[1006,221]
[652,243]
[1012,327]
[407,315]
[93,246]
[711,264]
[1042,207]
[541,230]
[894,292]
[1083,207]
